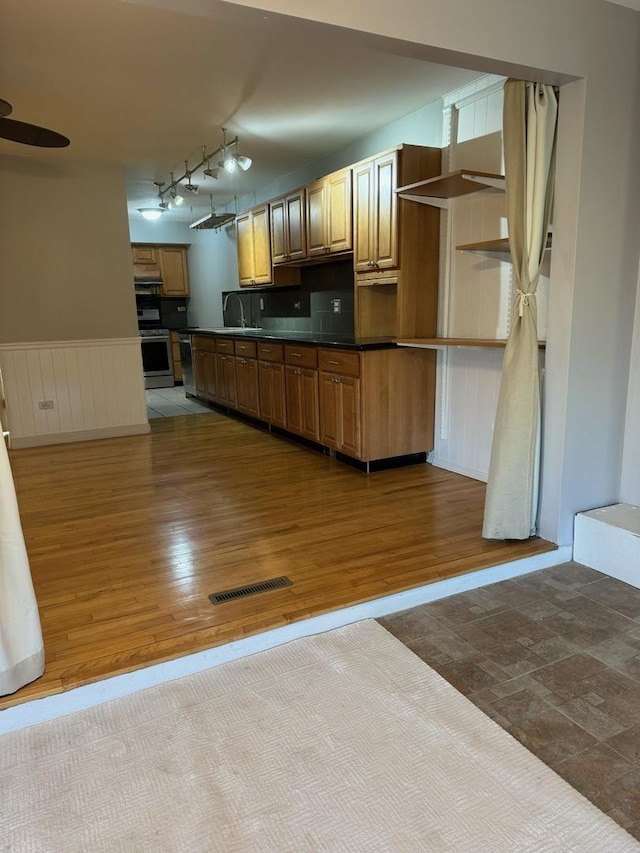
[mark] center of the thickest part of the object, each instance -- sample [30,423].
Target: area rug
[344,741]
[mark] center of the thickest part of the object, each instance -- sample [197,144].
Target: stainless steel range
[157,360]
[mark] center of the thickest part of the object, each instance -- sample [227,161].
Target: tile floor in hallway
[554,658]
[167,402]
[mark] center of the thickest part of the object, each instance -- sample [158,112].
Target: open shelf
[437,191]
[441,343]
[497,249]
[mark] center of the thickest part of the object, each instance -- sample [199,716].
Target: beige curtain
[21,649]
[529,128]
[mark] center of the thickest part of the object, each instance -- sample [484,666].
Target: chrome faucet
[243,319]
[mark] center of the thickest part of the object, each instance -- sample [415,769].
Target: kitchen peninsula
[364,399]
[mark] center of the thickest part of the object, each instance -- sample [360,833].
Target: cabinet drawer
[225,345]
[246,348]
[204,343]
[339,361]
[301,356]
[270,352]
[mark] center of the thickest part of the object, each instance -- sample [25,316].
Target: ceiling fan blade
[31,134]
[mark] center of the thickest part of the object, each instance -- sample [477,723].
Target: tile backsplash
[322,303]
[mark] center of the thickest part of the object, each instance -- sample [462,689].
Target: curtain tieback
[522,301]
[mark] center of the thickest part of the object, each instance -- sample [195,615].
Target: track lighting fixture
[230,161]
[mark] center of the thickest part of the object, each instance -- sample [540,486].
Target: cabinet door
[340,422]
[247,385]
[144,254]
[293,389]
[261,246]
[386,212]
[173,267]
[295,225]
[329,410]
[206,374]
[316,227]
[279,397]
[227,392]
[279,248]
[364,217]
[273,403]
[339,214]
[244,236]
[349,394]
[310,409]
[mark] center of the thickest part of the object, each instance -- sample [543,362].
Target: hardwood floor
[127,538]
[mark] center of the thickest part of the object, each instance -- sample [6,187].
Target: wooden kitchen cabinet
[174,270]
[145,255]
[288,231]
[340,415]
[329,215]
[377,404]
[396,246]
[248,394]
[254,247]
[226,374]
[375,210]
[302,391]
[204,360]
[273,406]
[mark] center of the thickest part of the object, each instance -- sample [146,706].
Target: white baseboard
[79,435]
[438,462]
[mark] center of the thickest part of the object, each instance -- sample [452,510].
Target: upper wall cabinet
[375,213]
[396,245]
[288,230]
[329,215]
[254,247]
[144,255]
[168,262]
[174,270]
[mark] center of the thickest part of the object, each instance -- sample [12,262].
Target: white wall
[630,489]
[64,243]
[595,259]
[68,326]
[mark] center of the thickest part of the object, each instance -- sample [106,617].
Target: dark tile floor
[554,658]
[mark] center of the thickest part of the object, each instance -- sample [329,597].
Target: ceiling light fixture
[230,161]
[151,213]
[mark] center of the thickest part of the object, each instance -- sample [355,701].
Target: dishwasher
[186,359]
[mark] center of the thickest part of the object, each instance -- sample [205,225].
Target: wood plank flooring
[127,538]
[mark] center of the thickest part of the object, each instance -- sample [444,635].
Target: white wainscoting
[96,386]
[469,383]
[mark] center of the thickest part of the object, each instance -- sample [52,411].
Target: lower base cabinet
[273,406]
[247,386]
[340,424]
[227,390]
[369,405]
[303,402]
[206,373]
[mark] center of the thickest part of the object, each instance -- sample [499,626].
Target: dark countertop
[324,339]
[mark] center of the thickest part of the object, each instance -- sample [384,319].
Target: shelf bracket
[442,203]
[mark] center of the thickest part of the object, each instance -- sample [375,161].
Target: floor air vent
[250,589]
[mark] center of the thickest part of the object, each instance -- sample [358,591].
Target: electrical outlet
[336,304]
[45,404]
[261,304]
[297,305]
